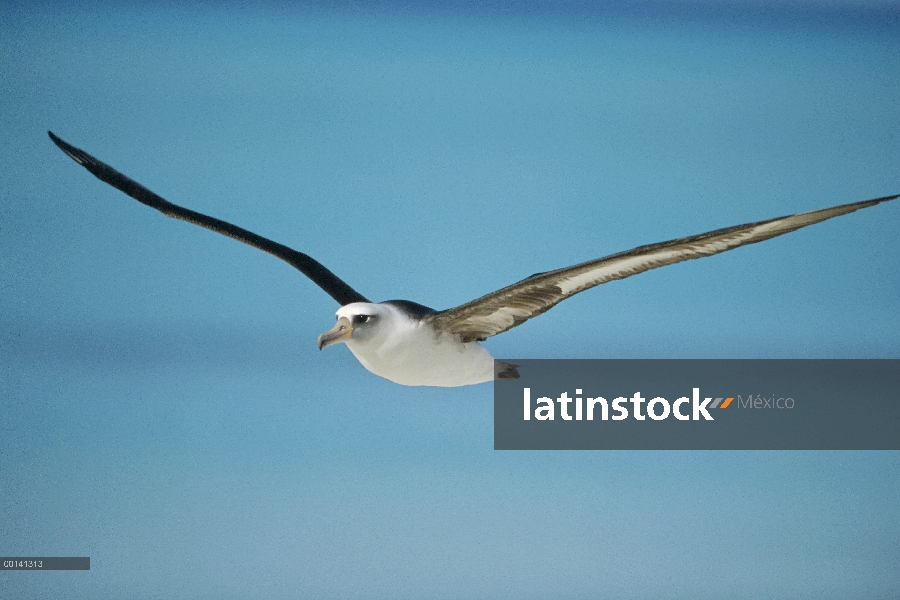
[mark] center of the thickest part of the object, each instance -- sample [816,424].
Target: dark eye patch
[360,319]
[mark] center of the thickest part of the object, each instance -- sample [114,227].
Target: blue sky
[165,410]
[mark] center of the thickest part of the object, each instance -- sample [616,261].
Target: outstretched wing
[513,305]
[325,279]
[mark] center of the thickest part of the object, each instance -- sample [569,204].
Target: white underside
[416,354]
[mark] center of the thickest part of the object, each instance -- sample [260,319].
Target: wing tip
[848,208]
[73,152]
[873,201]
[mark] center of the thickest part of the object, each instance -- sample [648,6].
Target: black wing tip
[74,153]
[872,202]
[854,206]
[57,140]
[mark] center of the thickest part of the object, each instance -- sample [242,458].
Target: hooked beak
[341,332]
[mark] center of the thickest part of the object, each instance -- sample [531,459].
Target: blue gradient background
[164,409]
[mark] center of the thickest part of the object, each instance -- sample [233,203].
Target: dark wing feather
[513,305]
[307,265]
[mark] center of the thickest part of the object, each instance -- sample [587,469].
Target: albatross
[411,344]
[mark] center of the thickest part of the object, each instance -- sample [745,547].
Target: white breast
[408,352]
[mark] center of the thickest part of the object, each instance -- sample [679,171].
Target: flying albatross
[412,344]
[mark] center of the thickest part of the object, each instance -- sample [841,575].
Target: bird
[414,345]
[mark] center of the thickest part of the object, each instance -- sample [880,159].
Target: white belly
[419,356]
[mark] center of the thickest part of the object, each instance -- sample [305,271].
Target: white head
[391,340]
[359,321]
